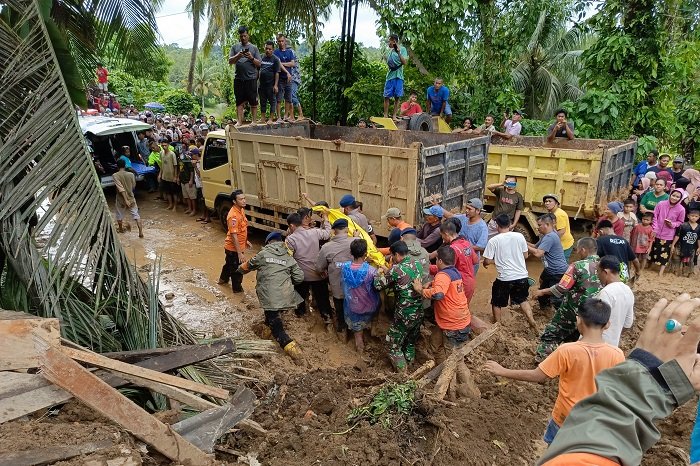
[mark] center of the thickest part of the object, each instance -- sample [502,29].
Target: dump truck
[584,173]
[275,164]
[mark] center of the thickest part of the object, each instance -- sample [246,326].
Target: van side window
[215,154]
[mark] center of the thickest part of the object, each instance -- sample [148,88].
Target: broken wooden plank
[175,393]
[61,370]
[47,395]
[124,368]
[16,343]
[205,428]
[463,351]
[186,353]
[50,455]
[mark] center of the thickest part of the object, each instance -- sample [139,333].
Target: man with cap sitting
[429,233]
[563,228]
[330,260]
[277,273]
[474,227]
[396,226]
[352,210]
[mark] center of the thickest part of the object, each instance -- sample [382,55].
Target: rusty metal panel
[616,172]
[455,172]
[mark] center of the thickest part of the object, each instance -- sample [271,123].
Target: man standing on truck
[246,57]
[561,129]
[269,82]
[562,226]
[236,243]
[288,59]
[393,85]
[508,201]
[437,96]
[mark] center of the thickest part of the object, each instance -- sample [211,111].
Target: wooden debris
[16,344]
[422,370]
[149,374]
[32,398]
[50,455]
[463,351]
[205,428]
[61,370]
[229,451]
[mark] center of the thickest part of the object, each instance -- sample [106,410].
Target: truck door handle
[228,182]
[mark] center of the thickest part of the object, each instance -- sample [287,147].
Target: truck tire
[222,211]
[525,231]
[420,122]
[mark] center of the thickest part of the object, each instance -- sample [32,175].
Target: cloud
[175,25]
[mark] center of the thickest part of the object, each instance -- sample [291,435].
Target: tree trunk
[195,46]
[313,81]
[352,25]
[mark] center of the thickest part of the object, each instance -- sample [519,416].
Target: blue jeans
[567,253]
[550,432]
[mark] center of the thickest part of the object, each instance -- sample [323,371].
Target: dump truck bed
[584,173]
[382,169]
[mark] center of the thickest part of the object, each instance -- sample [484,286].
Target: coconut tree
[202,83]
[197,9]
[547,71]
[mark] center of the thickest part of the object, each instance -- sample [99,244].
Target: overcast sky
[175,25]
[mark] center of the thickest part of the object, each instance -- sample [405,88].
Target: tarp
[104,126]
[374,257]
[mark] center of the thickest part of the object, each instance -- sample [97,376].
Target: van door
[216,170]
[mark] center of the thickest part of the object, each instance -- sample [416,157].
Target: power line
[172,14]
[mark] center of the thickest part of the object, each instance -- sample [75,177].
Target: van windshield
[215,153]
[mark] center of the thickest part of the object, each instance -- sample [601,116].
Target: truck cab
[217,173]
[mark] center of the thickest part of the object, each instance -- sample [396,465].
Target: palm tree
[83,32]
[547,72]
[201,83]
[196,9]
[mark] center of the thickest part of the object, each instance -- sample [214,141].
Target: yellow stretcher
[389,123]
[374,257]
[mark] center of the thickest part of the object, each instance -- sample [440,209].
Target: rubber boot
[293,350]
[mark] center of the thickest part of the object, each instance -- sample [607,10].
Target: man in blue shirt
[289,60]
[393,86]
[473,227]
[643,167]
[437,100]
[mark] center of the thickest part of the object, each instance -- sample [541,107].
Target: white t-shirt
[506,250]
[621,300]
[513,128]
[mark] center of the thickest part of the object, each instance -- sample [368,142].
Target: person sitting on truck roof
[352,209]
[468,126]
[511,126]
[508,201]
[562,128]
[437,96]
[411,106]
[562,226]
[393,85]
[487,127]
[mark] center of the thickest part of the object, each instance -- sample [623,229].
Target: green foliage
[388,406]
[644,145]
[137,91]
[179,102]
[534,127]
[329,76]
[366,94]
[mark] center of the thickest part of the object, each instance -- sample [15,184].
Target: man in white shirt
[511,126]
[618,295]
[508,251]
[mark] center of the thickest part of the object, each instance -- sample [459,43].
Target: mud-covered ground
[305,407]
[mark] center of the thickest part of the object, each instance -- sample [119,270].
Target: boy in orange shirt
[575,363]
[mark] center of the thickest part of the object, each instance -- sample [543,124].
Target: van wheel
[222,211]
[420,122]
[525,231]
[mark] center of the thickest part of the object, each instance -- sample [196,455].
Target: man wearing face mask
[508,201]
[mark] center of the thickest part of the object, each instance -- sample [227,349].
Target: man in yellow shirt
[551,203]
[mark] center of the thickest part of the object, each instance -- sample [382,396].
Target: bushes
[179,102]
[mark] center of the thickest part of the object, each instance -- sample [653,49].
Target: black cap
[340,224]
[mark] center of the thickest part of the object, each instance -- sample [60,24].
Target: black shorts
[168,187]
[246,90]
[516,290]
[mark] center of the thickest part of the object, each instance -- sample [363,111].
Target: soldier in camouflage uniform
[579,282]
[408,315]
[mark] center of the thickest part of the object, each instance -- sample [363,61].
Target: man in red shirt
[411,107]
[102,77]
[236,242]
[465,256]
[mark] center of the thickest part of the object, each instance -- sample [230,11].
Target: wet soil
[305,407]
